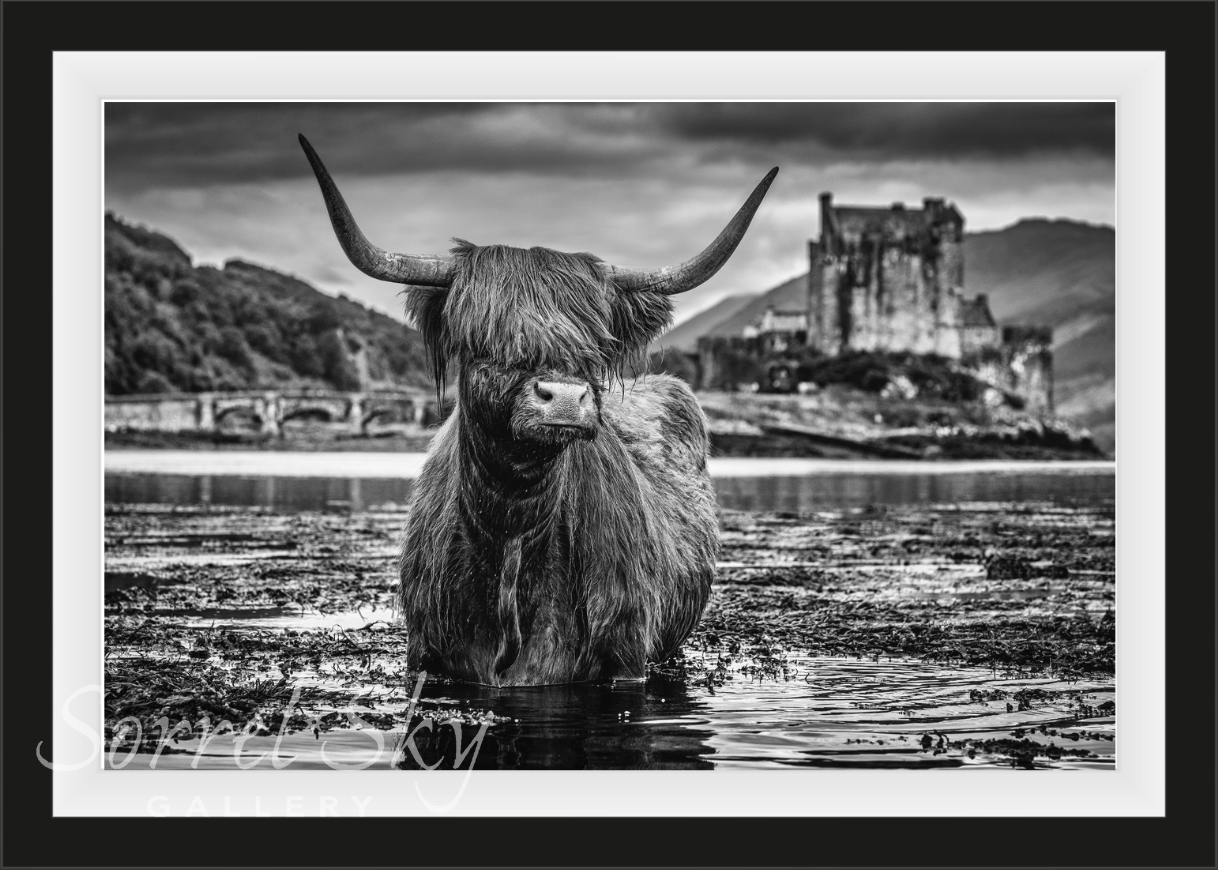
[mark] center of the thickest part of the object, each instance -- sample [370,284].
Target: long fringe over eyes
[536,309]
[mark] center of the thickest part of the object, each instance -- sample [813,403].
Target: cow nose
[563,404]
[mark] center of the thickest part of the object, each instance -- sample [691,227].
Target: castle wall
[950,287]
[724,362]
[782,341]
[815,303]
[1029,356]
[947,319]
[882,298]
[951,264]
[975,339]
[828,319]
[861,294]
[907,309]
[1021,364]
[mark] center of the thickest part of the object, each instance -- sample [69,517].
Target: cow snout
[564,404]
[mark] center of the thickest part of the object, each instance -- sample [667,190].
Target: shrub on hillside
[203,328]
[932,376]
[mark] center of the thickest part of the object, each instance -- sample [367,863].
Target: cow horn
[677,279]
[365,256]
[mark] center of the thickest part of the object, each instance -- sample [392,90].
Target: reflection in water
[788,493]
[831,713]
[854,490]
[277,493]
[623,725]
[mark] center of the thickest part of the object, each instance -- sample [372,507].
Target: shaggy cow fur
[536,554]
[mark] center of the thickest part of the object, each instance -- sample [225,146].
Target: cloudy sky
[639,184]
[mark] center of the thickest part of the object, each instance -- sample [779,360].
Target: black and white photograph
[623,435]
[611,434]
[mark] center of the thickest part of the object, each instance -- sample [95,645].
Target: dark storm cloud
[152,145]
[902,130]
[203,144]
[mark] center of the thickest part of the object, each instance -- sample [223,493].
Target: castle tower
[825,312]
[948,235]
[886,279]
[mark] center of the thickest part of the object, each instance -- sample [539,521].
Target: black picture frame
[1183,838]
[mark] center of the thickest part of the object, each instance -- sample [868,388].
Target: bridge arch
[313,413]
[230,411]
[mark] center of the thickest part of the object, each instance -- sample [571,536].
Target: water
[820,712]
[315,481]
[802,712]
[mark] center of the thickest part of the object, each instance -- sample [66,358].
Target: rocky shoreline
[836,423]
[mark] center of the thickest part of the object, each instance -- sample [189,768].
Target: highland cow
[564,525]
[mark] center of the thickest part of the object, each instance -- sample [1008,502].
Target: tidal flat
[967,635]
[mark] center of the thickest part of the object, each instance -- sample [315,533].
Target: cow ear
[424,308]
[639,319]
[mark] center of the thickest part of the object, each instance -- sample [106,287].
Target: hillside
[788,296]
[175,327]
[684,336]
[1060,273]
[1053,271]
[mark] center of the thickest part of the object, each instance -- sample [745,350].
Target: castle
[892,280]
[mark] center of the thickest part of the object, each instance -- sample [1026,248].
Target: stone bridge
[267,410]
